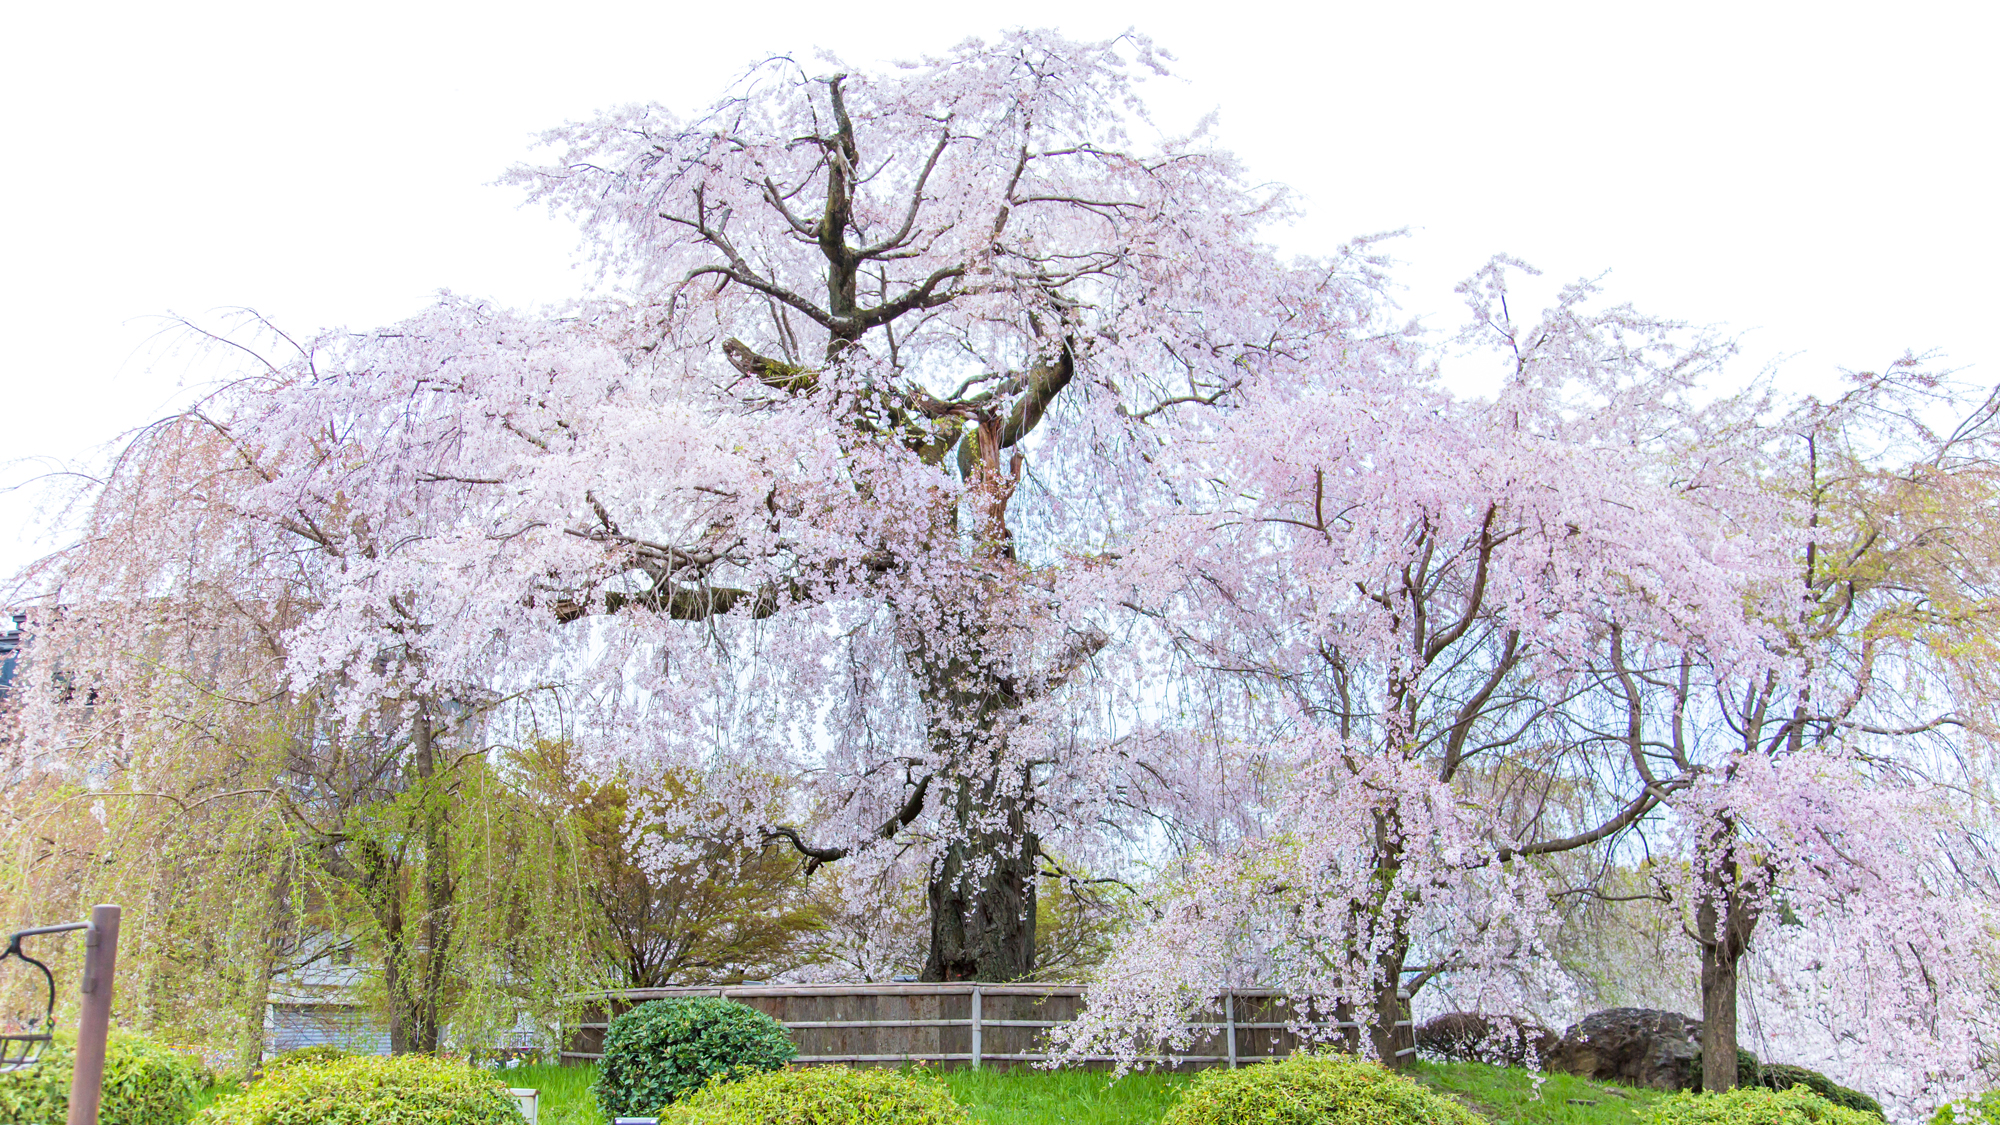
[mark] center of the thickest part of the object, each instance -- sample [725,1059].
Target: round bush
[368,1090]
[664,1050]
[820,1095]
[1753,1105]
[144,1084]
[1314,1089]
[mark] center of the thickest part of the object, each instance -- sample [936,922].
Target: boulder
[1479,1037]
[1637,1046]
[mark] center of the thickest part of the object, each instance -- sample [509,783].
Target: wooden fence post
[93,1025]
[975,1027]
[1405,1031]
[1229,1021]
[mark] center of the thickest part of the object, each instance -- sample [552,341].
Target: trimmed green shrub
[144,1084]
[368,1090]
[664,1050]
[1755,1105]
[1784,1076]
[310,1056]
[1314,1089]
[819,1095]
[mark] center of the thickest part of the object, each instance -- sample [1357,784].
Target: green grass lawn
[1068,1097]
[209,1095]
[566,1098]
[1039,1097]
[1509,1095]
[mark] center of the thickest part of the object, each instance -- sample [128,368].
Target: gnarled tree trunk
[982,900]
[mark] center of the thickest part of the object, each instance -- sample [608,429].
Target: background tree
[1840,776]
[699,905]
[150,779]
[1441,603]
[168,661]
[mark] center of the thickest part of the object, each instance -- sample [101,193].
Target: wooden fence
[963,1024]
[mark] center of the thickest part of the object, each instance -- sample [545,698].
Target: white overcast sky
[1819,177]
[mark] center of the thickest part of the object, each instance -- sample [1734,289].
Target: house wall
[289,1026]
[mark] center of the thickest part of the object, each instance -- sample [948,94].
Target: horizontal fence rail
[968,1024]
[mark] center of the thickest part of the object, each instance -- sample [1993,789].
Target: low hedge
[1755,1105]
[304,1056]
[144,1084]
[368,1090]
[819,1095]
[664,1050]
[1314,1089]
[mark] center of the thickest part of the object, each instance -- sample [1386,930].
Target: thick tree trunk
[1390,1030]
[1718,1019]
[257,989]
[982,900]
[250,1048]
[412,972]
[982,888]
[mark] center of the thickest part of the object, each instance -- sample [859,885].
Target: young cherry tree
[1445,602]
[833,488]
[1834,824]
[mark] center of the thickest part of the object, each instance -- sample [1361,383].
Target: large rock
[1479,1037]
[1636,1046]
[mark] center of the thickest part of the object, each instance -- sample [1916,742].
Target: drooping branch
[1073,657]
[912,807]
[1648,799]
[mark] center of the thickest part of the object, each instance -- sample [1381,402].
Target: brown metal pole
[93,1026]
